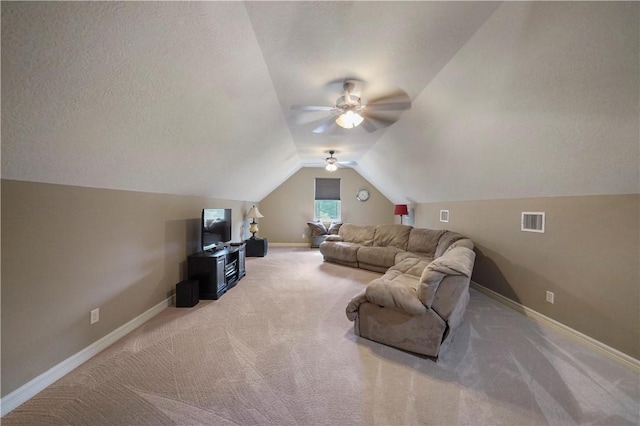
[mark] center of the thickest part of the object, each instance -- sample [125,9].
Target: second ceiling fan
[349,111]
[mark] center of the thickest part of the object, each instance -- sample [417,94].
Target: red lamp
[401,210]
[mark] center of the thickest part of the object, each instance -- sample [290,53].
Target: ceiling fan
[349,111]
[331,163]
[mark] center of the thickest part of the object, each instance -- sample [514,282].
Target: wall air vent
[532,222]
[444,215]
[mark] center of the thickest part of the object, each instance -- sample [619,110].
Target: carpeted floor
[278,349]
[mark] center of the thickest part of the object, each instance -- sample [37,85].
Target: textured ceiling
[179,97]
[311,47]
[513,99]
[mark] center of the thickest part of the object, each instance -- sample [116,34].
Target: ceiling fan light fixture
[349,120]
[331,167]
[332,162]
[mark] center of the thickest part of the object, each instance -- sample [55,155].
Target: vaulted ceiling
[195,97]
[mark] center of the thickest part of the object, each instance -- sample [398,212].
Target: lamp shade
[401,209]
[254,213]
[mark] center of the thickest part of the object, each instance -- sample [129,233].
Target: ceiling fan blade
[312,108]
[369,126]
[327,125]
[397,100]
[377,121]
[397,95]
[390,106]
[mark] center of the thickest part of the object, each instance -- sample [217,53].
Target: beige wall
[67,250]
[289,207]
[588,256]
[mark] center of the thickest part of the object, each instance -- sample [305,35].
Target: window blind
[327,189]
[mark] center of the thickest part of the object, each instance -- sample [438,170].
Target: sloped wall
[543,101]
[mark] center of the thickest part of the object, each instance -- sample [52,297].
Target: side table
[257,247]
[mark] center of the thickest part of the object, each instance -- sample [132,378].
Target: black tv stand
[217,271]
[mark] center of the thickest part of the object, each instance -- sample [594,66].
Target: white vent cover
[444,215]
[532,222]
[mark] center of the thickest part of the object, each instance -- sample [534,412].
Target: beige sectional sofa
[421,298]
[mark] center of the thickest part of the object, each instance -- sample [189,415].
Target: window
[327,199]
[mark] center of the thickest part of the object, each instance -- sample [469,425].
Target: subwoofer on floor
[187,293]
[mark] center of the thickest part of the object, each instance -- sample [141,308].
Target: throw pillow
[317,228]
[334,228]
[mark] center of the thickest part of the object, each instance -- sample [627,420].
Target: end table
[257,247]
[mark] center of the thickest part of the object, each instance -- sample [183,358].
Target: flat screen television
[216,228]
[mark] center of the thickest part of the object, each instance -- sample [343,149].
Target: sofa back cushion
[445,241]
[458,261]
[425,241]
[463,242]
[392,236]
[360,234]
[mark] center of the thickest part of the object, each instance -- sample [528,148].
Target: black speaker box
[257,247]
[187,293]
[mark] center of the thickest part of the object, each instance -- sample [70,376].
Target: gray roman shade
[327,189]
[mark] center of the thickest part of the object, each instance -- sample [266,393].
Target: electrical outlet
[95,315]
[304,236]
[550,297]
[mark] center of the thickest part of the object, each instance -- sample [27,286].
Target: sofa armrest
[396,291]
[354,305]
[333,238]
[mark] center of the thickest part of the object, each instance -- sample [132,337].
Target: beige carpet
[277,349]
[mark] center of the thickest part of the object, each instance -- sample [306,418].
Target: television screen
[216,228]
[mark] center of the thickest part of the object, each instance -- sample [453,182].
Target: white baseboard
[611,353]
[38,384]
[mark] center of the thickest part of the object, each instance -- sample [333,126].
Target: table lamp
[254,213]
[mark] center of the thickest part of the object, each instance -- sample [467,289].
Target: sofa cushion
[379,256]
[360,234]
[424,241]
[412,255]
[391,235]
[411,266]
[340,250]
[317,228]
[445,241]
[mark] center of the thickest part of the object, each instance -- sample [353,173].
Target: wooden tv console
[217,271]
